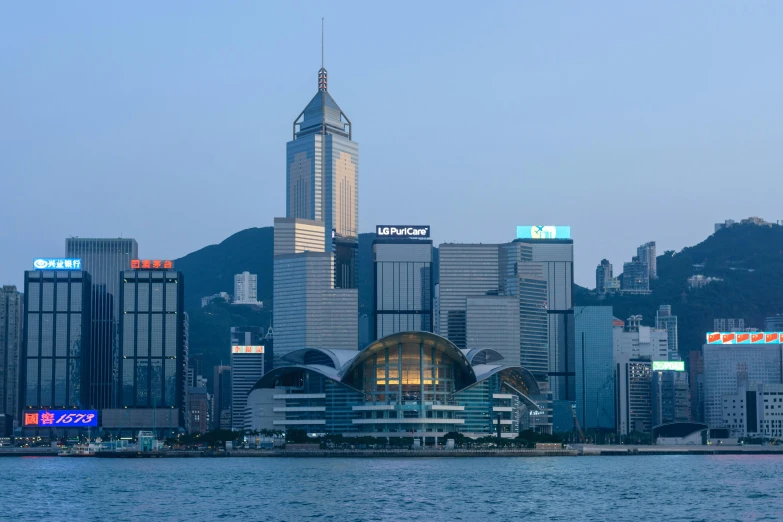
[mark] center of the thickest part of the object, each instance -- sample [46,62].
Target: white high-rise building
[646,254]
[635,341]
[246,288]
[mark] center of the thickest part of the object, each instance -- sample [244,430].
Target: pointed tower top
[322,72]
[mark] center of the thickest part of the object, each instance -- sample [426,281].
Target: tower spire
[322,72]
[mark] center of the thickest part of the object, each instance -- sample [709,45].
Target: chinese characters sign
[57,264]
[745,338]
[247,349]
[151,264]
[61,418]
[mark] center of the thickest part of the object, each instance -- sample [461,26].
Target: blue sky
[167,121]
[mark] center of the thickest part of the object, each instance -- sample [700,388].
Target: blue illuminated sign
[57,264]
[543,232]
[61,418]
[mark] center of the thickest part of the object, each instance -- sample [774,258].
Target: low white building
[756,410]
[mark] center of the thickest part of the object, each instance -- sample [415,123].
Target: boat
[79,450]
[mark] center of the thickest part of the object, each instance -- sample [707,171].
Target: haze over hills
[749,259]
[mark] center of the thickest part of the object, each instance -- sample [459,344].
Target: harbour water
[672,487]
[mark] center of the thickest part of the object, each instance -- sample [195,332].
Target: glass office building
[11,336]
[406,384]
[152,348]
[250,359]
[55,366]
[594,367]
[403,286]
[105,259]
[322,177]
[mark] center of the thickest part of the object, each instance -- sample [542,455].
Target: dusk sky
[167,121]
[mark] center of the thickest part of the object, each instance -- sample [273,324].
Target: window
[142,331]
[157,297]
[76,297]
[61,338]
[47,301]
[33,296]
[32,336]
[62,296]
[129,297]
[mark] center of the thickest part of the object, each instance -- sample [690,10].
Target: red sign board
[151,264]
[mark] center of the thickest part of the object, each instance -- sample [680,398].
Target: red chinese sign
[151,264]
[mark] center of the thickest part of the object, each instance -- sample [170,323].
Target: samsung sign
[402,231]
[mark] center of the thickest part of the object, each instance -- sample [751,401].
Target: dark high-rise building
[322,178]
[56,359]
[152,347]
[11,329]
[221,398]
[250,360]
[403,286]
[594,367]
[105,259]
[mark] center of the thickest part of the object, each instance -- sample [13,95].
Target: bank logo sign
[673,366]
[402,231]
[57,264]
[745,338]
[543,232]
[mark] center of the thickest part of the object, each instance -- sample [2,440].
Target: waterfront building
[11,336]
[634,340]
[322,178]
[308,310]
[466,270]
[756,410]
[365,283]
[105,259]
[604,277]
[635,277]
[665,320]
[409,384]
[246,288]
[493,323]
[55,362]
[594,367]
[696,382]
[670,397]
[250,360]
[633,400]
[403,285]
[198,410]
[728,366]
[646,254]
[221,398]
[153,343]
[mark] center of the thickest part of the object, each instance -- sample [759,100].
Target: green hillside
[748,258]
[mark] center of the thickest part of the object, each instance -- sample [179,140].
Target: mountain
[748,259]
[211,269]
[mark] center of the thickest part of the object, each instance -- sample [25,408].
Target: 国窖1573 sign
[57,264]
[673,366]
[402,231]
[543,232]
[745,338]
[61,418]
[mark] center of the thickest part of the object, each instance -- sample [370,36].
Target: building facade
[246,288]
[322,177]
[730,325]
[55,363]
[665,320]
[670,397]
[11,336]
[250,360]
[221,398]
[105,259]
[152,384]
[756,410]
[647,255]
[634,395]
[637,341]
[727,367]
[772,324]
[603,277]
[595,382]
[493,324]
[403,286]
[635,278]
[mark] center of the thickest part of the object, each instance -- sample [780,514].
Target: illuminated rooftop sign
[61,418]
[247,349]
[151,264]
[543,232]
[402,231]
[745,338]
[57,264]
[673,366]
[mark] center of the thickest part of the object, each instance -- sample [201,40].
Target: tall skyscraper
[594,367]
[403,286]
[493,323]
[249,361]
[221,402]
[646,254]
[55,366]
[322,178]
[105,259]
[309,312]
[152,387]
[634,395]
[664,320]
[246,288]
[11,329]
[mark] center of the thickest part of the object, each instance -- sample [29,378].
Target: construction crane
[576,423]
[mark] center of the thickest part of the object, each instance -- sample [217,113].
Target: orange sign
[151,264]
[31,419]
[247,349]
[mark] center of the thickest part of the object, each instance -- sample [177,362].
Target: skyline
[197,98]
